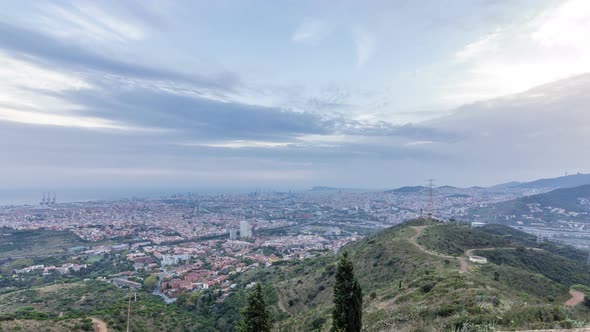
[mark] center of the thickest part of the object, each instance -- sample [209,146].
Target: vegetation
[348,298]
[455,239]
[557,268]
[256,317]
[407,288]
[414,290]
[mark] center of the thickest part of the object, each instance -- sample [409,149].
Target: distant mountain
[568,181]
[407,190]
[571,204]
[328,189]
[323,188]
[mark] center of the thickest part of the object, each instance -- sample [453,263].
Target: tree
[348,298]
[255,316]
[587,301]
[150,283]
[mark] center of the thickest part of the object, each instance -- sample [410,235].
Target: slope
[407,287]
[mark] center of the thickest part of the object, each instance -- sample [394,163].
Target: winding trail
[463,263]
[99,325]
[419,230]
[577,298]
[280,303]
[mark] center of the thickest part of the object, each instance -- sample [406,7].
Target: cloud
[365,45]
[545,47]
[83,21]
[567,25]
[47,50]
[311,31]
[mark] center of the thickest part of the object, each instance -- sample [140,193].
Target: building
[174,259]
[478,259]
[477,224]
[245,230]
[121,283]
[233,234]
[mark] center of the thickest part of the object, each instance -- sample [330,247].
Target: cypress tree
[348,298]
[255,316]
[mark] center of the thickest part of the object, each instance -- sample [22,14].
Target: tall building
[245,230]
[233,234]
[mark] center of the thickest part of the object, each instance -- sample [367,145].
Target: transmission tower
[430,197]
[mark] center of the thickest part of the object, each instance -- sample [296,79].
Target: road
[99,325]
[577,298]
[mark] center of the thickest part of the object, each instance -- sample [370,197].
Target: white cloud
[238,144]
[550,46]
[567,25]
[485,44]
[311,31]
[85,21]
[365,44]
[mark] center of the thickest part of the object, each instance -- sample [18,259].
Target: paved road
[469,252]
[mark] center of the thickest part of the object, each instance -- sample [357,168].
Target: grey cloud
[49,51]
[201,118]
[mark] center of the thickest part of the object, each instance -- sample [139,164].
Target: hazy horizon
[232,95]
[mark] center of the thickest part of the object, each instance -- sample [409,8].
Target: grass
[455,239]
[433,294]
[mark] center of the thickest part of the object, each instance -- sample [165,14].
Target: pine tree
[348,298]
[255,316]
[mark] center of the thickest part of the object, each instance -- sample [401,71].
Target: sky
[291,94]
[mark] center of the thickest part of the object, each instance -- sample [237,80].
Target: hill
[568,181]
[562,204]
[415,277]
[407,189]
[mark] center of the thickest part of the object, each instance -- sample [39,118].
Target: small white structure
[478,259]
[477,224]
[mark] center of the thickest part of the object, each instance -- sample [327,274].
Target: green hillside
[414,283]
[415,277]
[561,204]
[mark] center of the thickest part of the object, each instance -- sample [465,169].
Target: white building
[174,259]
[245,230]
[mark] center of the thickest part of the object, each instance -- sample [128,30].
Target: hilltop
[415,276]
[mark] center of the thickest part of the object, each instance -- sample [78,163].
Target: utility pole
[129,312]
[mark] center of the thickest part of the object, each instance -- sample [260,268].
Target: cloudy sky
[276,94]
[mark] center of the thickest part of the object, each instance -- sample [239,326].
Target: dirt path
[280,302]
[463,265]
[577,298]
[419,230]
[99,325]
